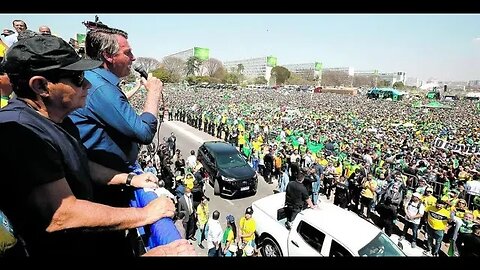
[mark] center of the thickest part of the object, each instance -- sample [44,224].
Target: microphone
[141,70]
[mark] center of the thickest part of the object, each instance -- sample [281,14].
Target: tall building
[390,77]
[411,81]
[474,83]
[349,70]
[306,71]
[184,55]
[253,67]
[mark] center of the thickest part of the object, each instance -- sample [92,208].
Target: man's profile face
[19,26]
[122,60]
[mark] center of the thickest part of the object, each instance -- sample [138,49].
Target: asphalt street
[189,138]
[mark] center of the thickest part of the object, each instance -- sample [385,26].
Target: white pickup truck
[327,230]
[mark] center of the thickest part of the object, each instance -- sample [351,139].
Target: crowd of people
[71,163]
[377,155]
[74,154]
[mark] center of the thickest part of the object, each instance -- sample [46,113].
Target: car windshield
[230,160]
[381,246]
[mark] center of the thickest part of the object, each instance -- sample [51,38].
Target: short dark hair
[102,40]
[216,215]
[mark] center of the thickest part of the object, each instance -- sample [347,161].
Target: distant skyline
[441,46]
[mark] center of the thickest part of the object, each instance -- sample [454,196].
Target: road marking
[230,202]
[188,133]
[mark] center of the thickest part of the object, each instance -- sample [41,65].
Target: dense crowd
[347,136]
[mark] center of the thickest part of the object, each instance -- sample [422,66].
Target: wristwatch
[130,176]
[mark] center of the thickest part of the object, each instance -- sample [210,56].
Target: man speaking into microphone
[108,125]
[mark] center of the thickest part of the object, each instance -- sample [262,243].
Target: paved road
[189,138]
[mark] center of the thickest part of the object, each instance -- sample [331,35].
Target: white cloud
[476,40]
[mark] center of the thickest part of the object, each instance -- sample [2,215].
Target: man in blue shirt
[108,125]
[47,184]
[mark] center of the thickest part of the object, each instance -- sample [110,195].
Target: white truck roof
[344,226]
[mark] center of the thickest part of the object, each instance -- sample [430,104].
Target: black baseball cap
[44,53]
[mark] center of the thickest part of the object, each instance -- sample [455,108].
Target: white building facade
[252,68]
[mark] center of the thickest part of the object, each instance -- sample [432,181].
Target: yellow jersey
[247,226]
[438,218]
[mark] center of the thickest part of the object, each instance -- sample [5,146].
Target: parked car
[229,172]
[327,230]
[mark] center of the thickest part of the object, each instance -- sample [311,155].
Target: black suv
[229,172]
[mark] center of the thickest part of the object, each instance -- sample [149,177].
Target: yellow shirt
[202,213]
[3,102]
[3,49]
[241,139]
[189,181]
[438,218]
[247,226]
[338,170]
[429,201]
[230,237]
[367,192]
[476,214]
[323,162]
[257,145]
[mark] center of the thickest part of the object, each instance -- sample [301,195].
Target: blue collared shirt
[108,125]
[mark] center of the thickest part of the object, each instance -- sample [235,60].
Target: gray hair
[102,40]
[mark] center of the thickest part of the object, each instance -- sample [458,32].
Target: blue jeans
[199,233]
[414,227]
[213,252]
[255,164]
[436,235]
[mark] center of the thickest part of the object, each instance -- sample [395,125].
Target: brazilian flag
[247,149]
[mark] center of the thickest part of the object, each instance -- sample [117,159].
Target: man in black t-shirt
[47,181]
[296,198]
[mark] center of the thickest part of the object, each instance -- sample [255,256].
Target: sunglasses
[77,78]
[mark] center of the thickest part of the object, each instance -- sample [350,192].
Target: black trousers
[190,227]
[291,212]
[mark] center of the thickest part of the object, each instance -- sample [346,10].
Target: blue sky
[445,47]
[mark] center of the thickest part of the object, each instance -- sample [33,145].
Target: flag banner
[318,66]
[464,149]
[81,39]
[271,61]
[201,53]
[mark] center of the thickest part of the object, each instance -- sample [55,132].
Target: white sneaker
[427,253]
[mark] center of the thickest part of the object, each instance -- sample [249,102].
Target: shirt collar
[107,75]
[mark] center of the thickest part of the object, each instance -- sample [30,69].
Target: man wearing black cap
[47,190]
[247,228]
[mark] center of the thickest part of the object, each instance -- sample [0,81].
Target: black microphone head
[141,70]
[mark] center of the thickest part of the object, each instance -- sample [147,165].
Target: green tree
[298,79]
[398,85]
[281,74]
[220,74]
[192,66]
[231,77]
[163,74]
[240,68]
[383,83]
[260,80]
